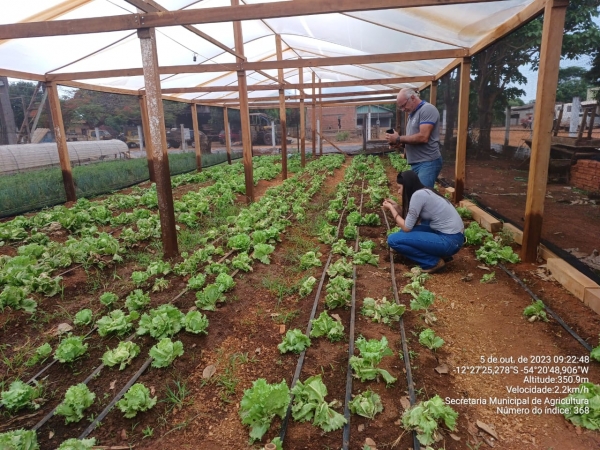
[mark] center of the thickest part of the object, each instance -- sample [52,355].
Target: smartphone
[390,131]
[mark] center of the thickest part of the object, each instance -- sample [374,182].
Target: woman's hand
[389,204]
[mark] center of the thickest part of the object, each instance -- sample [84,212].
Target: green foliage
[77,399]
[326,326]
[339,247]
[242,262]
[16,298]
[306,286]
[342,136]
[350,232]
[294,341]
[582,407]
[261,403]
[116,322]
[40,355]
[341,267]
[19,440]
[338,292]
[425,416]
[164,352]
[77,444]
[371,354]
[493,252]
[136,399]
[536,311]
[262,252]
[122,355]
[196,282]
[196,322]
[422,301]
[224,282]
[381,310]
[161,322]
[207,299]
[239,242]
[475,235]
[310,404]
[83,317]
[371,220]
[572,82]
[366,404]
[310,259]
[488,278]
[428,339]
[353,218]
[365,256]
[137,300]
[70,348]
[21,395]
[463,212]
[108,298]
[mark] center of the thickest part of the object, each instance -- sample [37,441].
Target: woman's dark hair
[410,184]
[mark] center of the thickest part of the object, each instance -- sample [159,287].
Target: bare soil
[475,319]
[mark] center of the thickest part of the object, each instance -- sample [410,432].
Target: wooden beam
[158,137]
[275,87]
[197,143]
[463,123]
[449,68]
[282,116]
[207,15]
[244,111]
[552,35]
[147,140]
[268,65]
[93,87]
[227,134]
[302,118]
[356,94]
[22,75]
[61,142]
[320,117]
[314,115]
[151,6]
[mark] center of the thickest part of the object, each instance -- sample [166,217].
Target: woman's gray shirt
[427,205]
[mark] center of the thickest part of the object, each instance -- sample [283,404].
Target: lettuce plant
[196,322]
[165,351]
[310,259]
[122,355]
[83,317]
[40,355]
[425,416]
[21,395]
[116,322]
[239,242]
[582,407]
[307,286]
[77,399]
[310,404]
[350,231]
[108,298]
[164,321]
[16,298]
[224,282]
[339,247]
[207,298]
[77,444]
[371,354]
[338,292]
[196,283]
[137,300]
[70,348]
[326,326]
[365,256]
[294,341]
[136,399]
[261,403]
[242,262]
[160,284]
[536,311]
[19,440]
[429,339]
[381,310]
[366,404]
[262,252]
[340,267]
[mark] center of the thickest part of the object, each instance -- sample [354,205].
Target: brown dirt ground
[474,319]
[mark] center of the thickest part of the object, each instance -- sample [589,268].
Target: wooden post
[244,110]
[282,117]
[433,93]
[506,126]
[61,141]
[314,116]
[227,134]
[197,137]
[552,35]
[592,120]
[147,140]
[302,118]
[158,138]
[559,120]
[463,123]
[320,117]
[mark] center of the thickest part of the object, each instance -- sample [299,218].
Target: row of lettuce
[249,235]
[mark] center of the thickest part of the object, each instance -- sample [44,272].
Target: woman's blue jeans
[424,245]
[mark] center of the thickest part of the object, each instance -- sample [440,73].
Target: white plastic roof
[440,27]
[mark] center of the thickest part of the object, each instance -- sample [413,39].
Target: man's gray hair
[407,92]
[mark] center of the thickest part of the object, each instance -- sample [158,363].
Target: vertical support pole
[244,109]
[463,123]
[314,116]
[141,138]
[552,35]
[7,113]
[196,137]
[320,118]
[282,117]
[97,131]
[433,93]
[227,129]
[574,121]
[61,141]
[147,140]
[302,118]
[158,137]
[507,126]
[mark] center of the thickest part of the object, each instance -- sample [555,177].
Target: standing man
[422,139]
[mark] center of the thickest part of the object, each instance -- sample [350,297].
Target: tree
[572,82]
[495,68]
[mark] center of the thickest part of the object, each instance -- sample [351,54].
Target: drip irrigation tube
[552,313]
[313,312]
[406,355]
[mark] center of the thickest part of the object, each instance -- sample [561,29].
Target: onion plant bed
[202,395]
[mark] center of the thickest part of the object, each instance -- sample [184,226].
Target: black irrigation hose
[346,430]
[552,313]
[121,393]
[313,312]
[409,379]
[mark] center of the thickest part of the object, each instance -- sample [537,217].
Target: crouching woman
[437,237]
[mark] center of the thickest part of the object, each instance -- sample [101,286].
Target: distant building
[521,115]
[592,93]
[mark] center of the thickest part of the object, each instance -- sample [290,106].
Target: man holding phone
[422,139]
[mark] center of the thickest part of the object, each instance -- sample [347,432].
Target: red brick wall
[347,116]
[586,175]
